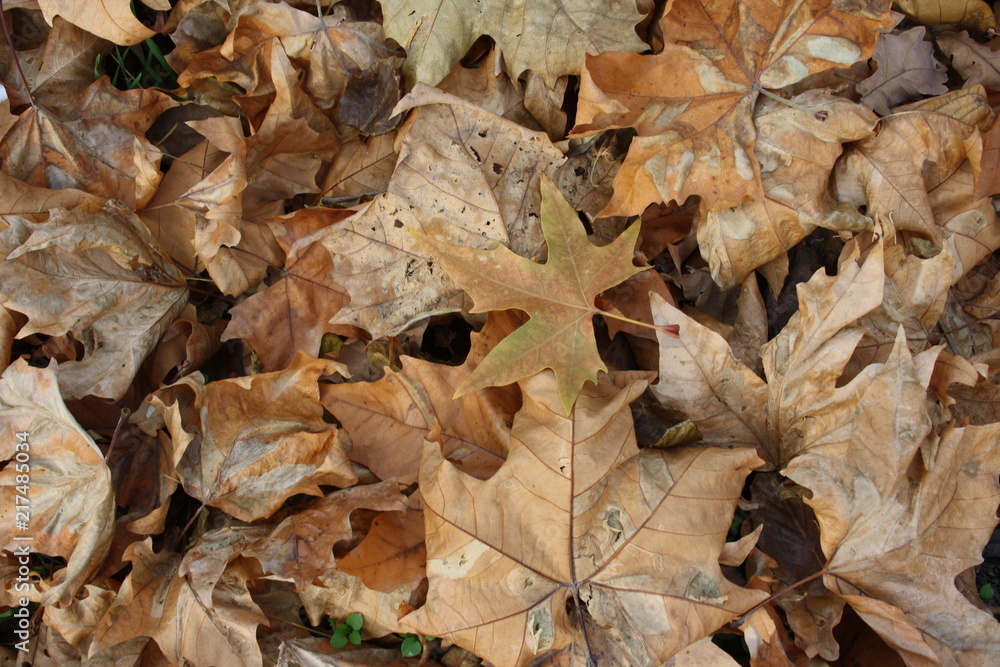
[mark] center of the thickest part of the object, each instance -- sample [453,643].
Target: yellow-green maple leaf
[558,296]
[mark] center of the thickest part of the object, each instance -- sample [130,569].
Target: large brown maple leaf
[581,543]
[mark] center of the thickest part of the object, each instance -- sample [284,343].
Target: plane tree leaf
[796,149]
[99,277]
[110,19]
[436,34]
[692,103]
[733,406]
[558,550]
[558,297]
[71,504]
[466,174]
[154,601]
[248,444]
[892,498]
[918,148]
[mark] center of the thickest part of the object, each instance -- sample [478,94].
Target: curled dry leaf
[388,420]
[72,505]
[100,278]
[77,132]
[558,297]
[547,37]
[978,63]
[731,405]
[248,444]
[692,103]
[510,557]
[891,497]
[299,548]
[916,150]
[796,151]
[155,601]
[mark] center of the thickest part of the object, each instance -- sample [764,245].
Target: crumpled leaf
[108,19]
[978,63]
[339,59]
[71,508]
[918,148]
[77,132]
[392,554]
[558,297]
[437,34]
[906,70]
[293,314]
[246,445]
[299,548]
[796,152]
[154,601]
[692,103]
[99,277]
[466,174]
[556,528]
[731,405]
[891,497]
[388,420]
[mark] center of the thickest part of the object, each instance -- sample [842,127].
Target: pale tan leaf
[111,19]
[971,14]
[891,498]
[548,38]
[730,404]
[882,173]
[978,63]
[71,508]
[100,278]
[465,173]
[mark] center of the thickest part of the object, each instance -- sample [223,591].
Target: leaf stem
[114,436]
[812,577]
[767,93]
[671,330]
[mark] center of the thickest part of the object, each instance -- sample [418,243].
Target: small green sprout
[348,631]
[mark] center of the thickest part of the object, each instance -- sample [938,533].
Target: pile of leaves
[553,333]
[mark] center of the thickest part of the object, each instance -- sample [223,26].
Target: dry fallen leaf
[248,444]
[70,509]
[558,297]
[99,277]
[978,63]
[906,70]
[156,602]
[731,405]
[796,151]
[463,173]
[436,34]
[891,497]
[540,557]
[692,104]
[109,19]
